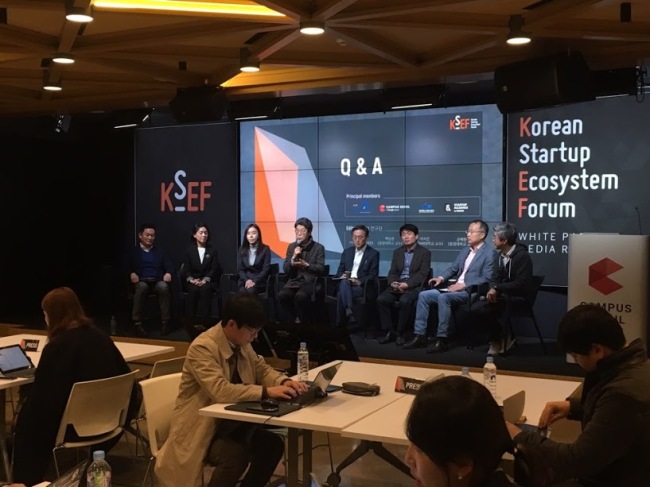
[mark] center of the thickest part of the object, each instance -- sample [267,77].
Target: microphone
[638,219]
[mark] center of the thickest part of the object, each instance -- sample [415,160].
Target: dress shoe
[440,345]
[496,348]
[165,329]
[297,320]
[350,317]
[139,330]
[419,341]
[399,341]
[390,337]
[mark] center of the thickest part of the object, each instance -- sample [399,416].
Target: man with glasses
[304,262]
[473,267]
[359,265]
[222,367]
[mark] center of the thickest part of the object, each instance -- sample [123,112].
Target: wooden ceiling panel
[128,59]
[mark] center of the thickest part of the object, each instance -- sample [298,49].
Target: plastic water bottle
[490,376]
[99,472]
[303,362]
[465,372]
[113,325]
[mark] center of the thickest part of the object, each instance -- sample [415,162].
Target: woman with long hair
[76,351]
[254,261]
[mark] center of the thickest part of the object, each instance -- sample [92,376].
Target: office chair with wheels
[96,410]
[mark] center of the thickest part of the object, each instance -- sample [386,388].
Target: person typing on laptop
[221,366]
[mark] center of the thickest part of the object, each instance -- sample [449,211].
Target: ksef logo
[458,123]
[190,195]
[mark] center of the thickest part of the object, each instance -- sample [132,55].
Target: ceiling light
[62,58]
[312,27]
[52,86]
[79,14]
[247,63]
[516,36]
[234,8]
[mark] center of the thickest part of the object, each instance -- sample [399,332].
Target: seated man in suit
[512,275]
[408,270]
[304,262]
[359,264]
[472,267]
[150,271]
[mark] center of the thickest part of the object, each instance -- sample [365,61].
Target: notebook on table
[14,363]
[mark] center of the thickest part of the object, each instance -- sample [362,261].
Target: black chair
[383,284]
[230,285]
[518,307]
[317,298]
[366,302]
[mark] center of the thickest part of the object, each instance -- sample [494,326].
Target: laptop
[72,478]
[14,363]
[318,388]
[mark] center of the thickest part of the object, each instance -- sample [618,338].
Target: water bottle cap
[303,344]
[465,370]
[99,455]
[490,360]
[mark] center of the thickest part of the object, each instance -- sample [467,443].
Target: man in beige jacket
[221,366]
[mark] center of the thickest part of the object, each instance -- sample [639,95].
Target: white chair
[96,410]
[159,397]
[160,368]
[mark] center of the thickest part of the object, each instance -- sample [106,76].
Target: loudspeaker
[199,104]
[542,82]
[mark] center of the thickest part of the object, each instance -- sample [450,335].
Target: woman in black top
[76,351]
[458,435]
[254,261]
[200,274]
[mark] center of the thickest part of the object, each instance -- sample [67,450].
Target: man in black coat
[614,409]
[408,270]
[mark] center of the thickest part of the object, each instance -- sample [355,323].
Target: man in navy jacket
[359,267]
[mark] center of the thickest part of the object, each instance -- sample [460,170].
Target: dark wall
[67,200]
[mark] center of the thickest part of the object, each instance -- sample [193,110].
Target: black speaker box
[199,104]
[542,82]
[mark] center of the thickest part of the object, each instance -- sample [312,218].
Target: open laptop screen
[325,376]
[13,358]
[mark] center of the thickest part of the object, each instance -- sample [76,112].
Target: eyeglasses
[253,331]
[358,237]
[301,231]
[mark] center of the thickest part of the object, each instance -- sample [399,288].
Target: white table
[379,418]
[130,352]
[387,424]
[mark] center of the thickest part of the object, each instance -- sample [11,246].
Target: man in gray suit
[472,267]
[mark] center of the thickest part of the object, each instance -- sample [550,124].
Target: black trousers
[235,446]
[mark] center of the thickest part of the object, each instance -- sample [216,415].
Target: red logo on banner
[598,273]
[186,195]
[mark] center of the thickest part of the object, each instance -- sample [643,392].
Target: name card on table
[408,385]
[29,345]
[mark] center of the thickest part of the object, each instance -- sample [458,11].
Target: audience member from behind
[457,435]
[222,367]
[150,272]
[359,267]
[614,446]
[304,262]
[254,261]
[76,351]
[200,275]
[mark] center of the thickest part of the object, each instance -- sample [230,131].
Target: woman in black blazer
[200,274]
[254,261]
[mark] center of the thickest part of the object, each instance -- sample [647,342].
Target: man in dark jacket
[614,446]
[150,271]
[512,274]
[303,264]
[409,269]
